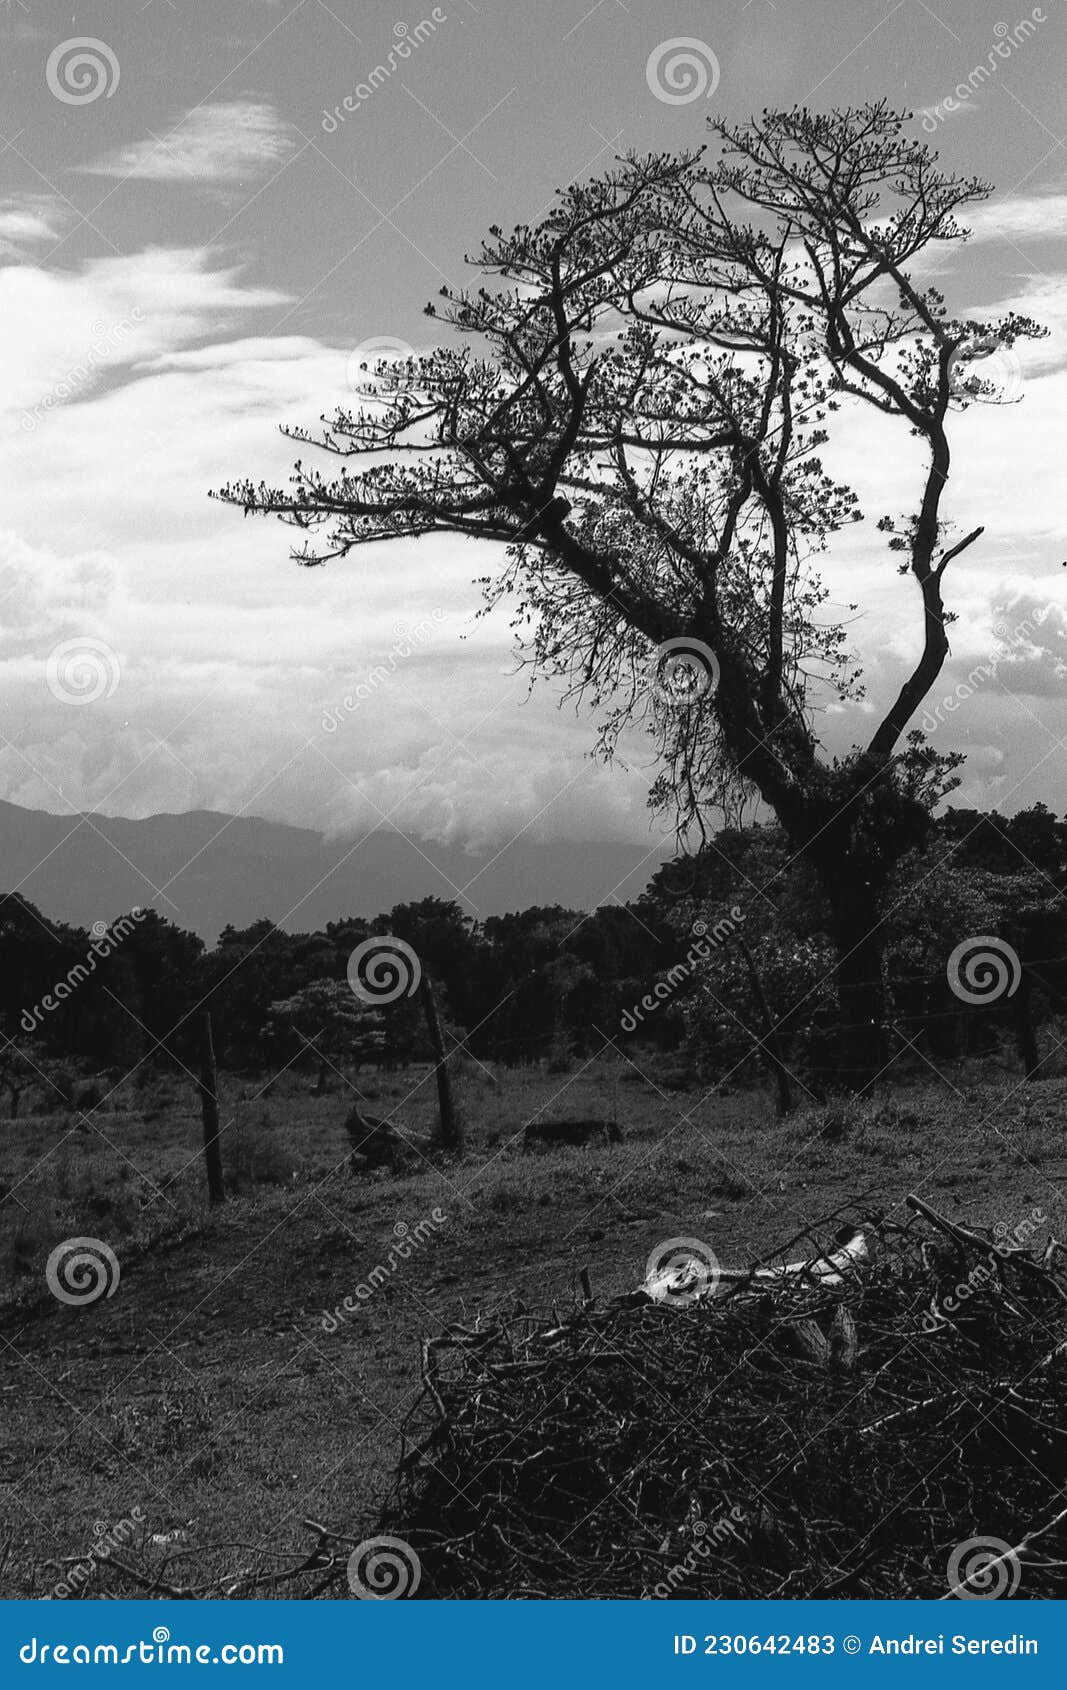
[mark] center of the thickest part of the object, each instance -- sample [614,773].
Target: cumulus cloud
[219,713]
[44,597]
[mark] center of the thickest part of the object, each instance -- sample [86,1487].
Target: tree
[637,416]
[327,1022]
[761,992]
[447,945]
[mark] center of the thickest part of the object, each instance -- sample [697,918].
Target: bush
[258,1153]
[89,1095]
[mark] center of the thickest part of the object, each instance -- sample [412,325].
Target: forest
[704,965]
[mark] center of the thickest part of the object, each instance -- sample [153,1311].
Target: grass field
[217,1401]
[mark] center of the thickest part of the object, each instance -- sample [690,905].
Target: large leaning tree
[630,408]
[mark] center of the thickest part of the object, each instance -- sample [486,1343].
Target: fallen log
[683,1281]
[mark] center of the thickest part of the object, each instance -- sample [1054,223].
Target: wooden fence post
[451,1133]
[1025,1037]
[209,1108]
[237,1147]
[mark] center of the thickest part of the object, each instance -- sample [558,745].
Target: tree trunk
[771,1044]
[862,1049]
[209,1108]
[1025,1037]
[451,1135]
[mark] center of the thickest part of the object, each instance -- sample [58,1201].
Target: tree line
[725,965]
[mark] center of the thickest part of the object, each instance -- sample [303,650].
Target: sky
[199,240]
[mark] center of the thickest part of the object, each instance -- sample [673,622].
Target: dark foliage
[558,985]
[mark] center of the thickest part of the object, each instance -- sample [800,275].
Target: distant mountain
[203,870]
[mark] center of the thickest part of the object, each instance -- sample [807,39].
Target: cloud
[230,656]
[64,334]
[221,144]
[28,220]
[44,597]
[1018,217]
[1031,654]
[227,712]
[937,109]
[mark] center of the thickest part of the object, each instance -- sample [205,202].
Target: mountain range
[204,870]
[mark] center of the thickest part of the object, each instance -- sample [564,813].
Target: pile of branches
[785,1437]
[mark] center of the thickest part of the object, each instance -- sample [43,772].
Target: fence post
[237,1148]
[209,1109]
[451,1133]
[1025,1037]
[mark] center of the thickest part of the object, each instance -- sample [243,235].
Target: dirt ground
[224,1393]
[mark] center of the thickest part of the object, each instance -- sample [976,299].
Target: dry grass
[209,1391]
